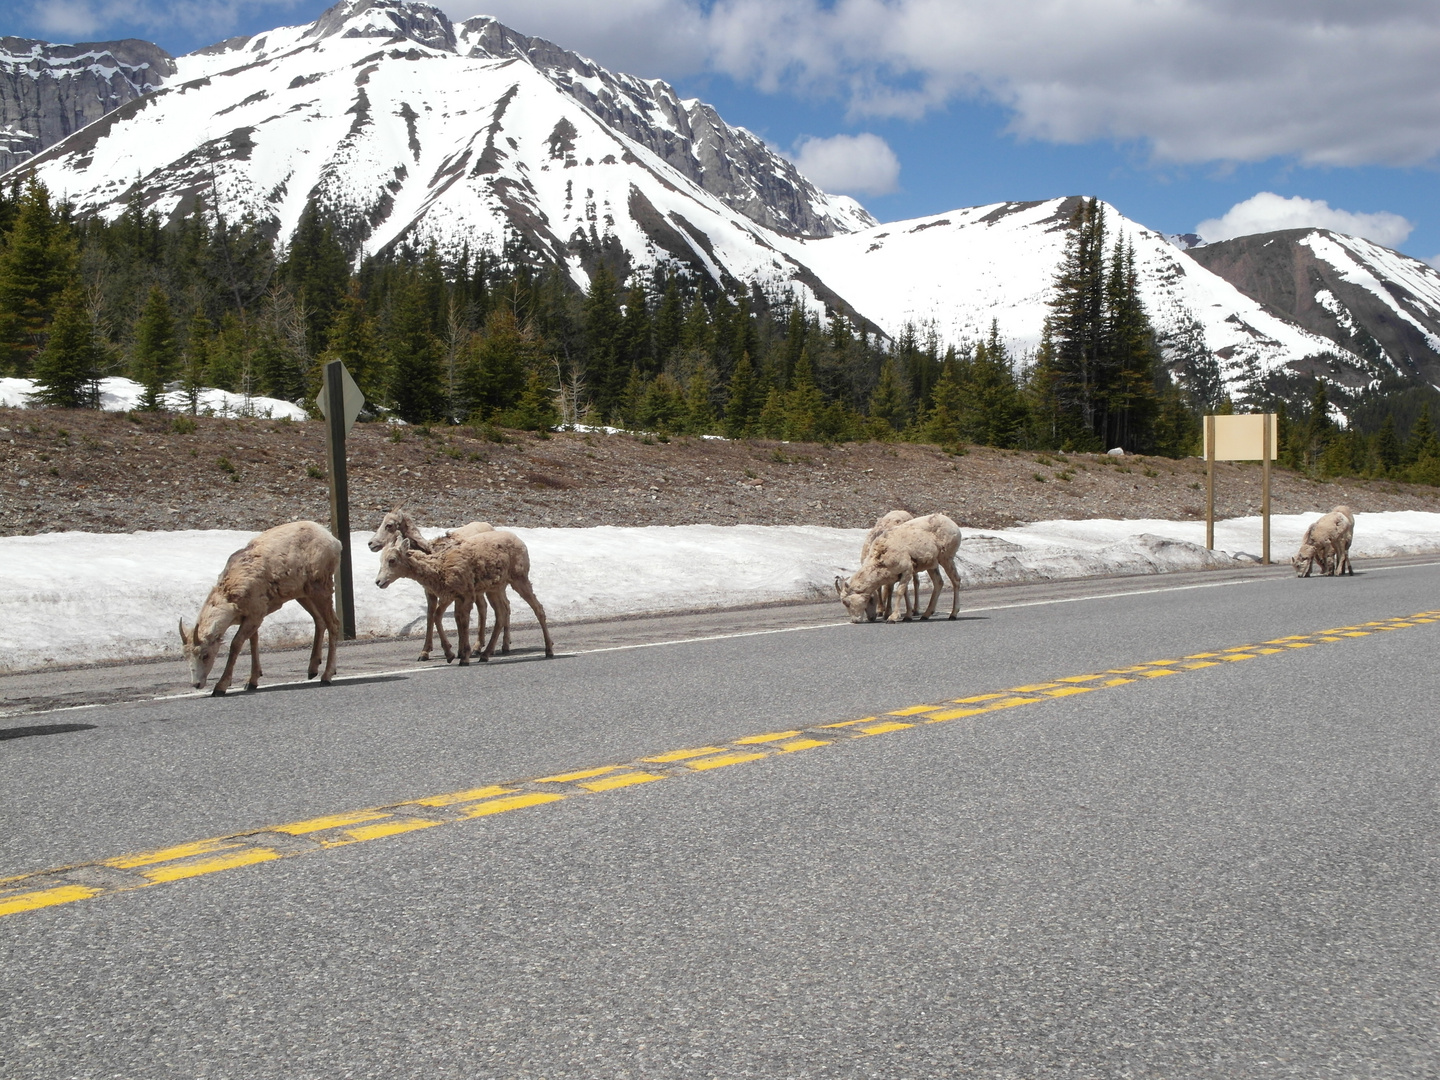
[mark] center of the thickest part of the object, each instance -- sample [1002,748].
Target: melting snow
[84,597]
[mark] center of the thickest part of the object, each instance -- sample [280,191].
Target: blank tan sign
[1241,438]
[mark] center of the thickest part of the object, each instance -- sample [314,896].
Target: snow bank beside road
[69,598]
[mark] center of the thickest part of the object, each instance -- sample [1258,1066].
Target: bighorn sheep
[883,524]
[398,523]
[922,545]
[296,562]
[1327,540]
[465,573]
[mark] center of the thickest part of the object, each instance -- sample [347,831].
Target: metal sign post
[340,402]
[1210,483]
[1239,438]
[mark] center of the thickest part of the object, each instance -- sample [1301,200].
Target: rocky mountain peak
[386,19]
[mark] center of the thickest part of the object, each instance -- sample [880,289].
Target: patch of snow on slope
[958,271]
[122,395]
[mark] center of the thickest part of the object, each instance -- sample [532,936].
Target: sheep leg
[480,614]
[255,671]
[502,623]
[310,606]
[325,605]
[440,606]
[430,620]
[899,615]
[887,599]
[522,586]
[935,583]
[242,635]
[954,588]
[462,629]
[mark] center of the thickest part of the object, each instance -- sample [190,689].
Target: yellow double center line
[124,873]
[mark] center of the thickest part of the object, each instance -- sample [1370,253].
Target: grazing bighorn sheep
[466,573]
[398,523]
[1327,540]
[883,524]
[922,545]
[296,562]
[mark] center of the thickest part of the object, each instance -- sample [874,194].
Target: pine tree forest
[510,342]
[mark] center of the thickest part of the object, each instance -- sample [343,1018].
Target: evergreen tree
[803,401]
[35,265]
[637,348]
[1320,428]
[1128,359]
[663,409]
[317,272]
[699,410]
[603,342]
[744,400]
[990,408]
[352,341]
[1076,325]
[67,371]
[696,334]
[669,323]
[413,357]
[890,402]
[1423,441]
[195,361]
[497,369]
[535,410]
[943,421]
[1387,446]
[155,356]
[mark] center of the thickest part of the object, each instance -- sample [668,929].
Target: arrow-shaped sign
[351,397]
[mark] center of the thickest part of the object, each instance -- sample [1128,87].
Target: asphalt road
[1138,850]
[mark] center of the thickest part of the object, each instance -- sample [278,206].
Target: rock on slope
[1371,300]
[49,91]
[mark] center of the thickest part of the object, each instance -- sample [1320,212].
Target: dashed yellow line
[124,873]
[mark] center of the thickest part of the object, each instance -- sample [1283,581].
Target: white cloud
[1325,81]
[1268,212]
[849,164]
[209,20]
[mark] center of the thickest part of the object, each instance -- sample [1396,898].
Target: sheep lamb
[463,574]
[396,524]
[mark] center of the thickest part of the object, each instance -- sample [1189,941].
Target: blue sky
[1179,112]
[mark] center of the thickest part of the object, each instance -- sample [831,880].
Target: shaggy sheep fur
[465,573]
[922,545]
[296,562]
[1327,541]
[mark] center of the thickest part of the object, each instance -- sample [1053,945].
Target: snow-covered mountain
[958,271]
[49,91]
[1366,298]
[408,128]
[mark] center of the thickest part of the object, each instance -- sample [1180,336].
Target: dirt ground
[120,472]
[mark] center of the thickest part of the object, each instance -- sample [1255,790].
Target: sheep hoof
[312,674]
[550,654]
[423,656]
[219,691]
[325,681]
[251,686]
[464,661]
[953,618]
